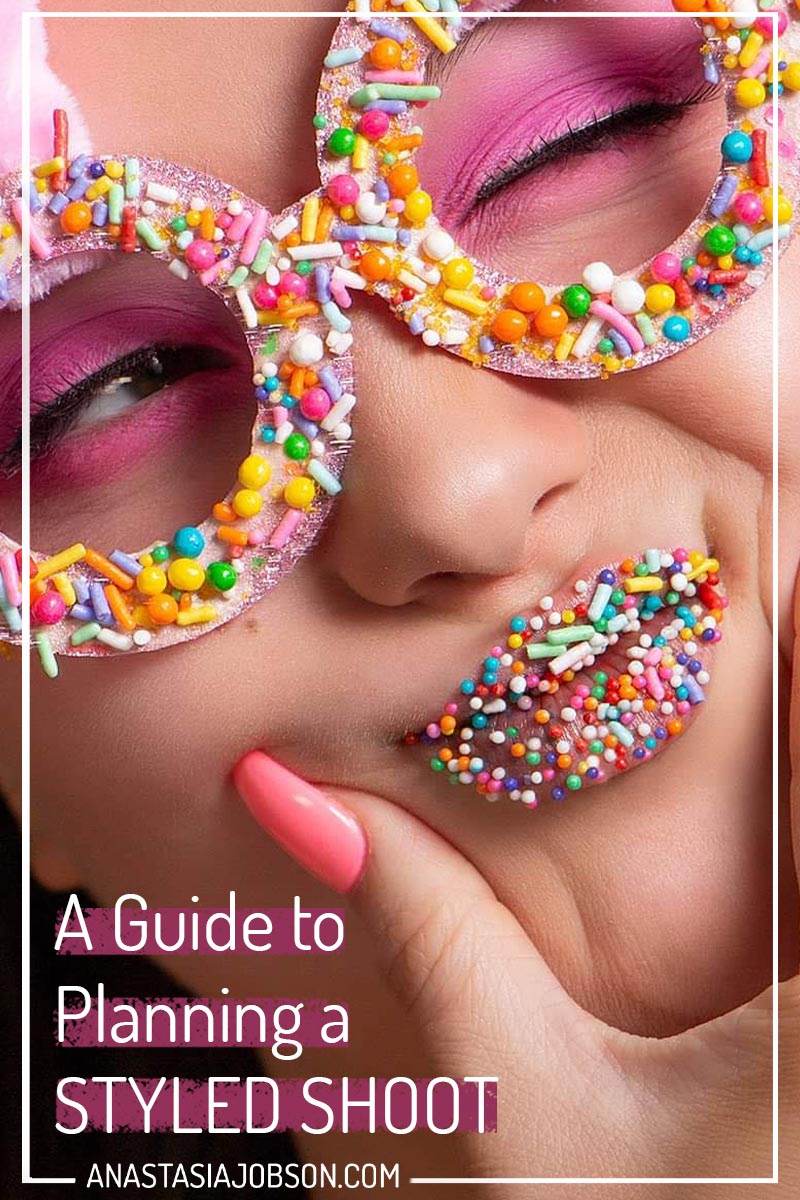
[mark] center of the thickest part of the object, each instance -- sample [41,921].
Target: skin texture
[650,899]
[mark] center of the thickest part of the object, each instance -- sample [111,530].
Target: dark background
[56,1154]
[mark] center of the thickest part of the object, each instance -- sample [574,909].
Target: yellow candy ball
[458,273]
[254,471]
[193,218]
[186,574]
[299,492]
[246,503]
[785,210]
[418,206]
[725,262]
[791,77]
[114,169]
[750,93]
[659,298]
[151,580]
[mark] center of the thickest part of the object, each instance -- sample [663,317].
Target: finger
[444,941]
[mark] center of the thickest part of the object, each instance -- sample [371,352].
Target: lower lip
[621,675]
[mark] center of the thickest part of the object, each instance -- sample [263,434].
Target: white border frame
[25,990]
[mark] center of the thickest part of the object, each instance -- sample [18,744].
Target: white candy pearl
[743,13]
[438,245]
[306,349]
[368,209]
[598,277]
[627,296]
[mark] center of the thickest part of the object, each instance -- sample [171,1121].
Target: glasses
[442,145]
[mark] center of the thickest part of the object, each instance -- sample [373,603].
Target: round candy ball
[665,267]
[343,189]
[254,472]
[627,296]
[764,24]
[598,277]
[659,298]
[402,179]
[720,240]
[509,325]
[418,207]
[458,273]
[200,254]
[247,502]
[162,609]
[306,349]
[750,93]
[791,77]
[737,146]
[375,265]
[438,245]
[76,217]
[188,541]
[299,492]
[749,207]
[550,321]
[186,575]
[265,295]
[48,609]
[151,581]
[374,125]
[297,446]
[576,300]
[221,576]
[385,54]
[676,329]
[315,403]
[341,142]
[292,284]
[527,297]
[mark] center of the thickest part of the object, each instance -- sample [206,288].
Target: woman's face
[468,495]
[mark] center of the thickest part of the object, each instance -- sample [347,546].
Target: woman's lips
[587,685]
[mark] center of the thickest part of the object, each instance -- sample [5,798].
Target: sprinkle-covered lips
[582,691]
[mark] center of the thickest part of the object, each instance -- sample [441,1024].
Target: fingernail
[316,831]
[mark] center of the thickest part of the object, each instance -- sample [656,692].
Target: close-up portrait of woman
[398,512]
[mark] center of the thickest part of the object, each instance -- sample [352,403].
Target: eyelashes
[108,392]
[600,133]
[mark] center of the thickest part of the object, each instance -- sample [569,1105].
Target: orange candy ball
[375,265]
[76,217]
[509,325]
[385,54]
[162,609]
[688,5]
[527,297]
[402,179]
[551,320]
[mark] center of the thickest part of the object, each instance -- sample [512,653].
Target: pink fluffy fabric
[47,93]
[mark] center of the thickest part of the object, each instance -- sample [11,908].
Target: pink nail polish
[316,831]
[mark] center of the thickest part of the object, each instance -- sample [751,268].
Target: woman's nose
[448,469]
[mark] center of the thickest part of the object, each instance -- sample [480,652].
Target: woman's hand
[576,1097]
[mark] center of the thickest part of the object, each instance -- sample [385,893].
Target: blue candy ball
[188,541]
[677,329]
[737,146]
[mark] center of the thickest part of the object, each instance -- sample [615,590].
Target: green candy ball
[720,240]
[319,122]
[160,553]
[576,300]
[303,268]
[221,575]
[297,446]
[341,142]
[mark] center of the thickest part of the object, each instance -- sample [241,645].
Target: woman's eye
[141,405]
[559,141]
[114,389]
